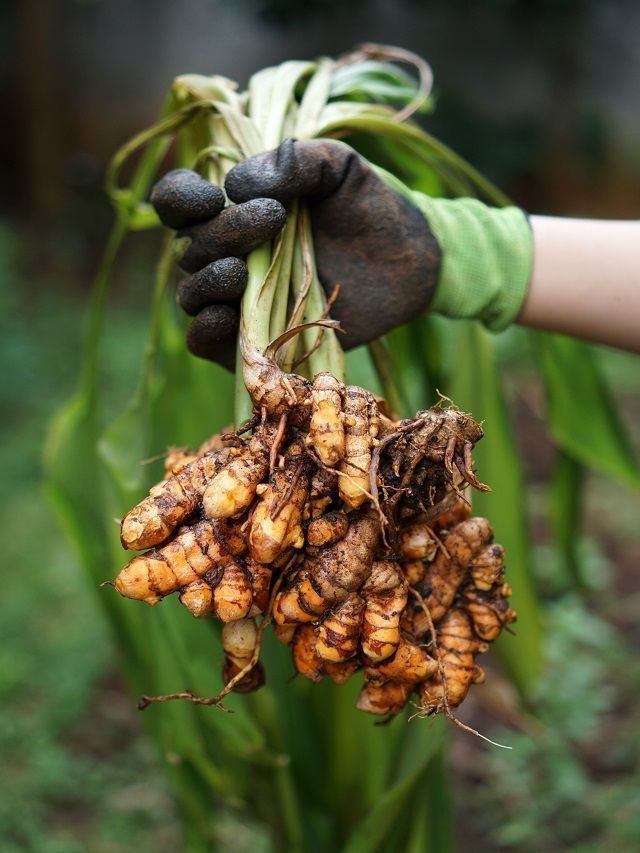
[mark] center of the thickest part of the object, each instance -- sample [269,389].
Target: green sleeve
[487,255]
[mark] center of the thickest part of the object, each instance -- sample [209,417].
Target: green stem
[258,264]
[163,276]
[266,711]
[290,808]
[96,310]
[566,504]
[385,371]
[328,355]
[412,136]
[163,128]
[278,319]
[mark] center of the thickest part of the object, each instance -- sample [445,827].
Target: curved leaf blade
[581,413]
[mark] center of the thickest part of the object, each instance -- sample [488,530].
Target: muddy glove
[394,252]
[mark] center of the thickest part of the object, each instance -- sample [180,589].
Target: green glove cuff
[487,255]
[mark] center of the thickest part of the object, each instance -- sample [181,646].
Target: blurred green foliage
[571,784]
[77,771]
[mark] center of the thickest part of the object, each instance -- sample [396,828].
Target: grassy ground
[78,772]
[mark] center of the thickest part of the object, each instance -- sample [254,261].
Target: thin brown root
[436,649]
[406,478]
[107,583]
[246,426]
[468,470]
[383,519]
[275,512]
[376,454]
[308,353]
[442,398]
[439,541]
[353,481]
[449,454]
[434,512]
[288,389]
[472,731]
[421,712]
[275,345]
[459,492]
[331,300]
[277,441]
[145,701]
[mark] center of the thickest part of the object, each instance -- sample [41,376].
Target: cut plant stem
[281,297]
[328,355]
[259,265]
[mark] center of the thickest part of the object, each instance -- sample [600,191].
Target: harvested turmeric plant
[345,529]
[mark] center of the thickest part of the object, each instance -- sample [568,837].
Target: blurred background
[542,97]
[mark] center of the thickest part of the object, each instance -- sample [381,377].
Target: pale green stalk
[326,354]
[278,320]
[258,264]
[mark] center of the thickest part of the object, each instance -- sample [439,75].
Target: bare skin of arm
[585,280]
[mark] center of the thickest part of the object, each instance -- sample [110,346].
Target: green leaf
[581,413]
[364,118]
[73,480]
[203,752]
[431,826]
[197,87]
[357,74]
[392,807]
[314,98]
[370,834]
[271,94]
[566,501]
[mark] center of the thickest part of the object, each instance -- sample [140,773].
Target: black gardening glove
[368,239]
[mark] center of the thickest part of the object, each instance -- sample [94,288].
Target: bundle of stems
[218,126]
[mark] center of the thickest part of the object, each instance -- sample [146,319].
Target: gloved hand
[387,247]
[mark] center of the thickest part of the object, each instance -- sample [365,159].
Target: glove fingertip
[182,197]
[212,334]
[270,174]
[221,281]
[238,230]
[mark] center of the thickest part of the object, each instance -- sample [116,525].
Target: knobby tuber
[349,532]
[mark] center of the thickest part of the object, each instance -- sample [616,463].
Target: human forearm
[585,280]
